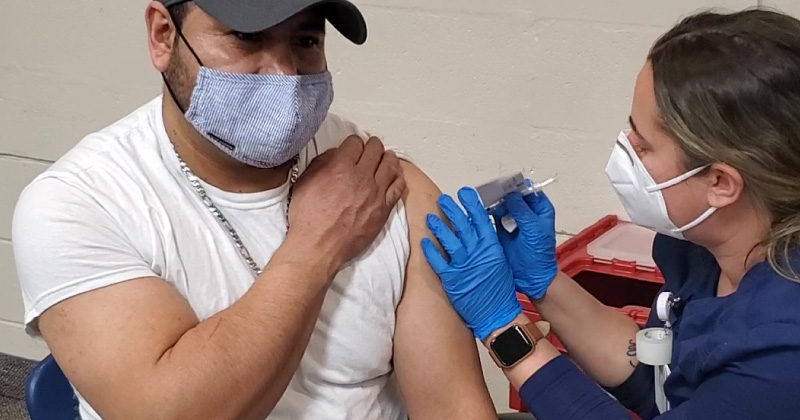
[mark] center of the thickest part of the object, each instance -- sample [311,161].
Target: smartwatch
[514,344]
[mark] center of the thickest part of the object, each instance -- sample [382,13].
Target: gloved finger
[519,210]
[451,244]
[499,211]
[503,236]
[459,221]
[472,204]
[434,257]
[540,204]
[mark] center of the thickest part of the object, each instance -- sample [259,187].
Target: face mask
[262,120]
[641,197]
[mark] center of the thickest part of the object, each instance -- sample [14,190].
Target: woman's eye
[636,144]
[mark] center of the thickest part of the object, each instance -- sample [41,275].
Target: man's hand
[343,200]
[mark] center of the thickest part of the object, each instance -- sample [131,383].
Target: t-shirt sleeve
[65,243]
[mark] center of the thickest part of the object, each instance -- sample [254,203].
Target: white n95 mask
[641,196]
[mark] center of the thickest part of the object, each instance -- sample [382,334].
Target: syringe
[538,186]
[493,193]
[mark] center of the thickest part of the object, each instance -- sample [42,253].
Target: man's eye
[246,37]
[308,41]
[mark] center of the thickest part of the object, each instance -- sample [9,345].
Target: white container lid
[626,242]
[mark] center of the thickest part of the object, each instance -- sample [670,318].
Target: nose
[279,59]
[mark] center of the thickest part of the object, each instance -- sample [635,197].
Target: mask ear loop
[677,180]
[697,221]
[179,30]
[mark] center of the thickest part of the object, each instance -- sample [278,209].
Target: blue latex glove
[531,247]
[477,280]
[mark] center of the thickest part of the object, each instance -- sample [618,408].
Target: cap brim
[250,16]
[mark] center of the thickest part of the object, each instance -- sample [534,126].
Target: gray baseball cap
[250,16]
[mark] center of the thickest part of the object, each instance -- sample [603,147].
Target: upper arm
[104,315]
[436,356]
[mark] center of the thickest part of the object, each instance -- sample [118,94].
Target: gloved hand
[477,280]
[531,247]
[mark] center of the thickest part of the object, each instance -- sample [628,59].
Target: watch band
[537,330]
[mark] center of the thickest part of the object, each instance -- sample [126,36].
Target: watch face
[511,346]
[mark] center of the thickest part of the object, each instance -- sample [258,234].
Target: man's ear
[726,185]
[161,33]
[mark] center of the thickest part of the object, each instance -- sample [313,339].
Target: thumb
[519,210]
[540,204]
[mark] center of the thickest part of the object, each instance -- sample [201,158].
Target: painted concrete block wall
[787,6]
[472,89]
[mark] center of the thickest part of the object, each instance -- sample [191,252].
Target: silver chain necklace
[237,241]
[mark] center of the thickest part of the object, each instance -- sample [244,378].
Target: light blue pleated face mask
[262,120]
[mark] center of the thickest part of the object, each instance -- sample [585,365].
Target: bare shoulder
[420,196]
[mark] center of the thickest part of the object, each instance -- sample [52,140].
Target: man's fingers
[371,156]
[395,191]
[388,170]
[352,148]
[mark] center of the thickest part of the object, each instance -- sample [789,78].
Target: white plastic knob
[664,306]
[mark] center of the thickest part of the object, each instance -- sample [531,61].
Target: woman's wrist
[540,299]
[519,319]
[542,353]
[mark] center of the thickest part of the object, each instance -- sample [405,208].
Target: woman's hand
[477,280]
[531,248]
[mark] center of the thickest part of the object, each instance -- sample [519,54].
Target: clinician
[712,163]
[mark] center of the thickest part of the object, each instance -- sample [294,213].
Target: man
[175,273]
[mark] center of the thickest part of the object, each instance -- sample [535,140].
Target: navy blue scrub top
[735,357]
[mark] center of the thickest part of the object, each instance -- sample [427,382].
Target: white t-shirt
[117,207]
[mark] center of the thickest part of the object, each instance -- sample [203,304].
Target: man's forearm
[599,339]
[238,363]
